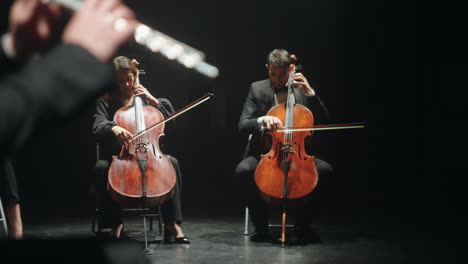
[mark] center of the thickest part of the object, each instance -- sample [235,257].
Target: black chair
[150,213]
[144,212]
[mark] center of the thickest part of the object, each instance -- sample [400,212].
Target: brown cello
[141,175]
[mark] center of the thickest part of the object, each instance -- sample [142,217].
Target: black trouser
[258,207]
[8,186]
[110,213]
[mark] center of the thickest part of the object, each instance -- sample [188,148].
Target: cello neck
[290,102]
[138,104]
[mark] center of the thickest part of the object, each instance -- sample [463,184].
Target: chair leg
[146,250]
[3,219]
[246,223]
[151,223]
[96,227]
[93,223]
[160,221]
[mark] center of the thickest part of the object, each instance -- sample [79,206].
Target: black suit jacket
[47,90]
[260,100]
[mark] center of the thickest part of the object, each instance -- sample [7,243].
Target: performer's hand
[271,123]
[31,25]
[145,94]
[101,27]
[123,136]
[301,82]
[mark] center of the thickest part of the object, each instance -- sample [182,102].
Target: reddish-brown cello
[287,171]
[141,175]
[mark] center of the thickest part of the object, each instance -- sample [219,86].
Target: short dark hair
[124,63]
[279,57]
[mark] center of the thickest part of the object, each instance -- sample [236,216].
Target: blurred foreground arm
[71,73]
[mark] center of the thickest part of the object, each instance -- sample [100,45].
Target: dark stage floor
[219,238]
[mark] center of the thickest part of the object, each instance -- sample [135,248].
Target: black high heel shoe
[170,238]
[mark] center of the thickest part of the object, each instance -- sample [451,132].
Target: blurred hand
[31,25]
[101,27]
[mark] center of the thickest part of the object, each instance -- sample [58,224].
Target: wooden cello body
[302,175]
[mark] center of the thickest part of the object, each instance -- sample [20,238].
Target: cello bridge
[141,148]
[288,148]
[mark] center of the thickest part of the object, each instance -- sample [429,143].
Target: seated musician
[111,137]
[264,95]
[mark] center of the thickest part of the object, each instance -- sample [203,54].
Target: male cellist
[263,95]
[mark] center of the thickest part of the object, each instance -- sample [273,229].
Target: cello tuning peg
[298,68]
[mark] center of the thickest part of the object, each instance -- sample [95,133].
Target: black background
[399,68]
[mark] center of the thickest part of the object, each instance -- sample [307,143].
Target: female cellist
[264,95]
[110,138]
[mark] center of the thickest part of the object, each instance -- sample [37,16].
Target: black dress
[108,146]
